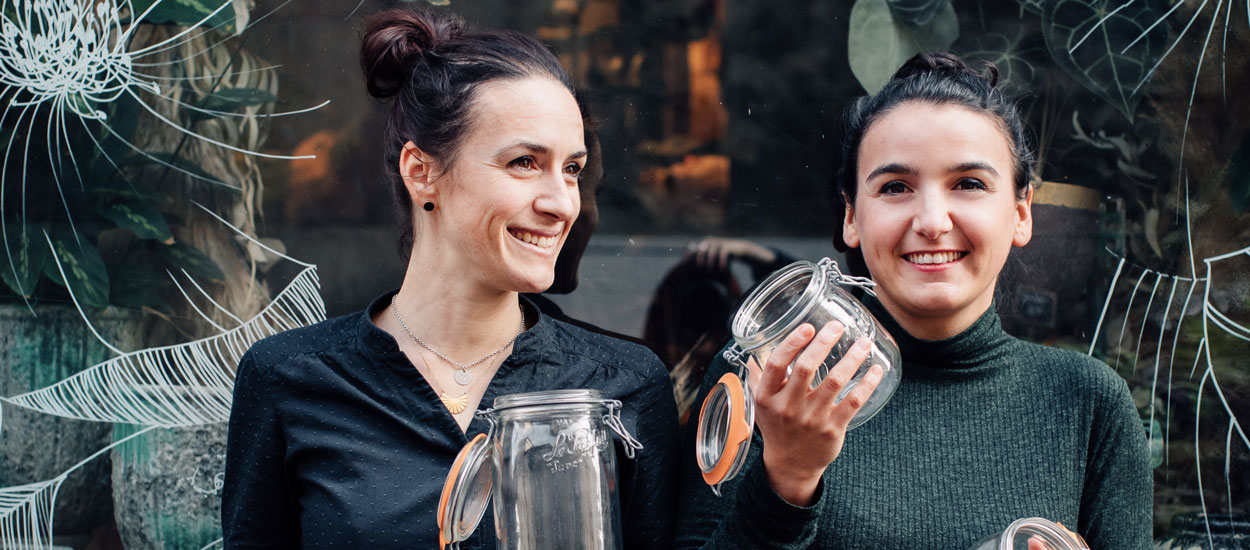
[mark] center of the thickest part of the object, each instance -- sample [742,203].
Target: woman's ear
[850,235]
[416,168]
[1024,219]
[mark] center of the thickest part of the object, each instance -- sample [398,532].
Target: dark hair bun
[949,64]
[395,39]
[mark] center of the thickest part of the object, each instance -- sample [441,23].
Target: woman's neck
[935,325]
[453,314]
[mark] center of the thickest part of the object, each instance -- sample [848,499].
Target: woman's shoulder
[1073,369]
[605,349]
[302,341]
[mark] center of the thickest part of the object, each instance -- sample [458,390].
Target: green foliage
[142,219]
[878,44]
[188,12]
[1116,58]
[83,268]
[183,256]
[131,286]
[916,13]
[233,99]
[156,157]
[1154,433]
[29,254]
[1237,178]
[1033,6]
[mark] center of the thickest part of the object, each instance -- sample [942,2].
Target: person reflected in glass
[984,428]
[342,433]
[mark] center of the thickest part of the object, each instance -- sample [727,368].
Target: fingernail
[863,344]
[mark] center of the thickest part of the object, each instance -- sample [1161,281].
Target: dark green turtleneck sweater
[983,430]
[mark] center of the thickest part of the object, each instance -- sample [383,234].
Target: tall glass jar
[549,463]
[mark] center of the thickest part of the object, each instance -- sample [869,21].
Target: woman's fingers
[855,400]
[779,360]
[810,359]
[845,369]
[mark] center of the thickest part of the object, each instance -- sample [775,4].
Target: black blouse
[336,441]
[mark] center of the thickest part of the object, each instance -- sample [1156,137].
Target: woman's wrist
[797,488]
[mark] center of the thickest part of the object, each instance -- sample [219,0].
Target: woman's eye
[970,184]
[524,163]
[573,169]
[893,188]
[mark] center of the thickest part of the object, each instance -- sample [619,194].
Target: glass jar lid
[777,303]
[466,492]
[548,398]
[724,432]
[1041,534]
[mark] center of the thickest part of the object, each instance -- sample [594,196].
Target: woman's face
[936,214]
[507,201]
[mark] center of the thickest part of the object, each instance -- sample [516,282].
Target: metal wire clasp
[613,420]
[737,357]
[831,270]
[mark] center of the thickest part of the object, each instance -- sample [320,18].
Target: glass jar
[802,292]
[549,463]
[1032,534]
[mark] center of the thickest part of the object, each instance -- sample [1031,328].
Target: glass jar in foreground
[1032,534]
[549,463]
[802,292]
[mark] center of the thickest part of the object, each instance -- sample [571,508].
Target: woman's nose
[558,199]
[932,218]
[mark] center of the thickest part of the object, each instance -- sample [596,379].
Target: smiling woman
[984,429]
[341,433]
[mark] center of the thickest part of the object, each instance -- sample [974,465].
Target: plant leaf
[916,13]
[136,285]
[231,99]
[877,45]
[1034,6]
[84,269]
[180,162]
[1238,177]
[28,252]
[187,13]
[186,257]
[141,218]
[1098,64]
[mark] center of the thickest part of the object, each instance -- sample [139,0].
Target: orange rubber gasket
[449,485]
[739,431]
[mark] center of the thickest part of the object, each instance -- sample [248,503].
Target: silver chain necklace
[463,376]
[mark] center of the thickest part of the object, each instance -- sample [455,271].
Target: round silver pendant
[463,377]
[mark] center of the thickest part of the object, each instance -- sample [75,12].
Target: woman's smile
[934,260]
[544,241]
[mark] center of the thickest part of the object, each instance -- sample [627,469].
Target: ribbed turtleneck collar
[976,346]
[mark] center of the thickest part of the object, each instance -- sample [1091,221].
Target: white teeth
[536,240]
[933,258]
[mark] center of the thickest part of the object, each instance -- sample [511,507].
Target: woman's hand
[715,253]
[803,428]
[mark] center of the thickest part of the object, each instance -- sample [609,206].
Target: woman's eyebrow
[528,146]
[536,149]
[973,167]
[892,168]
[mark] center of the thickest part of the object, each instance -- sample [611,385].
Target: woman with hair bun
[342,433]
[984,429]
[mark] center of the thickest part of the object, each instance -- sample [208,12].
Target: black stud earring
[428,206]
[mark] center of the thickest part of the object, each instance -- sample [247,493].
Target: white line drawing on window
[1213,323]
[65,61]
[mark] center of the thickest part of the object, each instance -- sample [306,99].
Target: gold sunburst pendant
[456,405]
